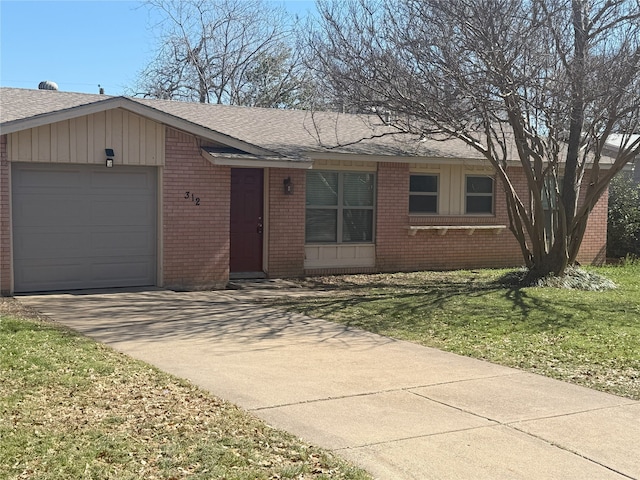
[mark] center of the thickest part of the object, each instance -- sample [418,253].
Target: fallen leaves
[75,409]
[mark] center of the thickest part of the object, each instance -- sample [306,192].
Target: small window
[479,194]
[423,194]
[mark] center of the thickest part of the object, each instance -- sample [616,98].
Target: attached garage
[83,226]
[174,210]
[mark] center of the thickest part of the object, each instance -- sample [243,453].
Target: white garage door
[78,226]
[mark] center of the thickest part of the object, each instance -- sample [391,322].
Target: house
[612,146]
[99,191]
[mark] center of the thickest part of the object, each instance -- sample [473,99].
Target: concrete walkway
[399,410]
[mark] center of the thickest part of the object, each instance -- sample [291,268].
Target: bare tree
[212,51]
[276,79]
[550,79]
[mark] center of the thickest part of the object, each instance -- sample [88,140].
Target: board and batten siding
[451,184]
[135,140]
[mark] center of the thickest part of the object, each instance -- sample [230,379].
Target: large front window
[340,207]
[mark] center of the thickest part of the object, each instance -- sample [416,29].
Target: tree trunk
[577,74]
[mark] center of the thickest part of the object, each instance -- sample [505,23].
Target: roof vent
[47,85]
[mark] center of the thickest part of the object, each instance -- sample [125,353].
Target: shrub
[623,228]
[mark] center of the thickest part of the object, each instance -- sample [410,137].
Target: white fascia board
[359,157]
[514,162]
[256,162]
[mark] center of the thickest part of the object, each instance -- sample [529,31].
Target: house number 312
[194,199]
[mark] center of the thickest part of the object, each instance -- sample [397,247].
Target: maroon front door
[246,220]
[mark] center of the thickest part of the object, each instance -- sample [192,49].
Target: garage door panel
[106,212]
[44,179]
[131,242]
[62,275]
[67,243]
[45,274]
[114,270]
[89,227]
[38,210]
[35,244]
[118,182]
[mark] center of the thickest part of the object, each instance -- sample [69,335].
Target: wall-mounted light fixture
[288,186]
[110,155]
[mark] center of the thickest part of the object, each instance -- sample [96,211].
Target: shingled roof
[285,133]
[20,104]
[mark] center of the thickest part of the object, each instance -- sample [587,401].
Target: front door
[246,220]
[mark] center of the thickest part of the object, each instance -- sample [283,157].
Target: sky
[82,44]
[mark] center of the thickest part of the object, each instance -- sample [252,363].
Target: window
[479,194]
[340,207]
[423,194]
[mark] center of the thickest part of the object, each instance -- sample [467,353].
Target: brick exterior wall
[286,224]
[195,237]
[593,249]
[396,250]
[5,220]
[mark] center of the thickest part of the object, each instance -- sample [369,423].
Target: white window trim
[425,194]
[492,195]
[340,207]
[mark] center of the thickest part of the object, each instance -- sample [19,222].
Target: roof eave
[61,115]
[408,158]
[195,129]
[139,109]
[255,161]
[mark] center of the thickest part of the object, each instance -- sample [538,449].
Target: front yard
[588,338]
[72,408]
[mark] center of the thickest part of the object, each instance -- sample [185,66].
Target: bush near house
[623,228]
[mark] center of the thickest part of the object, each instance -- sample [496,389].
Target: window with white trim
[340,207]
[423,194]
[479,194]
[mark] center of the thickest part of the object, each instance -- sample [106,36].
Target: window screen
[479,194]
[340,207]
[423,194]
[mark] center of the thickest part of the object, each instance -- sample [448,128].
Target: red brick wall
[594,244]
[397,250]
[195,237]
[286,224]
[392,218]
[5,220]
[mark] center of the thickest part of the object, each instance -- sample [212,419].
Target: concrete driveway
[399,410]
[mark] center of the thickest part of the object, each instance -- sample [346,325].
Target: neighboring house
[612,145]
[99,191]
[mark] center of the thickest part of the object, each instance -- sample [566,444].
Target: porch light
[110,155]
[288,186]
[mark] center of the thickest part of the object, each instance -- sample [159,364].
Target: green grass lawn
[73,409]
[589,338]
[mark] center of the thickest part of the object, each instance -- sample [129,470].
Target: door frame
[262,273]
